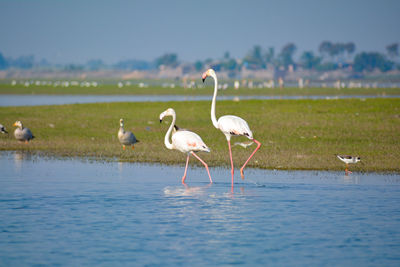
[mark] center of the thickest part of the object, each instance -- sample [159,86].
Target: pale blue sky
[78,30]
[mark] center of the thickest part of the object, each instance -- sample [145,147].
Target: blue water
[35,100]
[81,213]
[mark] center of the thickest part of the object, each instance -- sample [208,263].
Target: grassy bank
[295,134]
[158,90]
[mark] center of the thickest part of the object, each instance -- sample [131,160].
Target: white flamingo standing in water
[185,141]
[230,125]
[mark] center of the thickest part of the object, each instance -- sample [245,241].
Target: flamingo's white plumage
[126,138]
[230,125]
[185,141]
[22,133]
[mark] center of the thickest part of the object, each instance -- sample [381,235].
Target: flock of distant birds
[186,141]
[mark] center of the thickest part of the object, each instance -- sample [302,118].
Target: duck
[22,133]
[126,138]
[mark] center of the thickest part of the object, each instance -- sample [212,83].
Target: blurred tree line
[329,56]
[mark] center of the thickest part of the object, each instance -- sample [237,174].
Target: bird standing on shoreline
[230,125]
[185,141]
[21,133]
[348,159]
[126,138]
[3,129]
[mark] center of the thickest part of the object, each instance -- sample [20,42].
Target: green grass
[158,90]
[295,134]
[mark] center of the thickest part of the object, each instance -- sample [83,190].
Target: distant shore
[114,89]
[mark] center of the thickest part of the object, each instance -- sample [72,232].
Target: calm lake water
[72,213]
[35,100]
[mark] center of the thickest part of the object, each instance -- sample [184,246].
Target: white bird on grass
[243,144]
[3,129]
[185,141]
[21,133]
[230,125]
[348,159]
[126,138]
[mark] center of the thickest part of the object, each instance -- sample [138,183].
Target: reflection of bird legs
[133,147]
[195,190]
[252,154]
[200,187]
[347,169]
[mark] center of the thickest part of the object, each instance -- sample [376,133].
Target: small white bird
[230,125]
[126,138]
[243,144]
[3,129]
[21,133]
[348,159]
[185,141]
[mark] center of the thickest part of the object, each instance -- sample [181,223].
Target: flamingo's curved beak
[162,115]
[204,76]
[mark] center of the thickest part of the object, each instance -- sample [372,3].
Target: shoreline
[48,155]
[295,135]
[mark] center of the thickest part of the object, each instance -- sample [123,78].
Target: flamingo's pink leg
[252,154]
[205,165]
[184,175]
[230,155]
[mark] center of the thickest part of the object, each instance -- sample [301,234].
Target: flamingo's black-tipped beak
[204,76]
[160,120]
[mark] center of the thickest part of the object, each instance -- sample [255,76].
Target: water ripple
[53,217]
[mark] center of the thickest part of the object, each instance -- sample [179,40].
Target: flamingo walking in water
[185,141]
[230,125]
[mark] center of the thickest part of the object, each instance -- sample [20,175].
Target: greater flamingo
[230,125]
[185,141]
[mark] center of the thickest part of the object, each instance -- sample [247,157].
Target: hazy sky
[76,31]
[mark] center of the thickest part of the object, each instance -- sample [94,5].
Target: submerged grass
[295,134]
[158,90]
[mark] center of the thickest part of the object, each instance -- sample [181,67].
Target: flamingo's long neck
[214,100]
[168,134]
